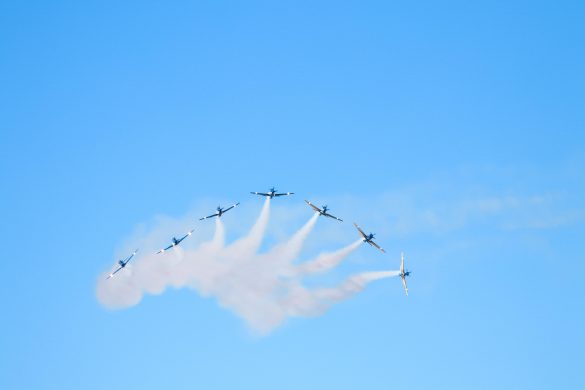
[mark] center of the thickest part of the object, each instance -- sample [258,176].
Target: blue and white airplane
[403,273]
[220,212]
[122,264]
[368,238]
[322,211]
[175,242]
[272,193]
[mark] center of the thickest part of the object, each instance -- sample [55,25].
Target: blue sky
[454,130]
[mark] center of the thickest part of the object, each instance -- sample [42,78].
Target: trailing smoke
[326,261]
[263,288]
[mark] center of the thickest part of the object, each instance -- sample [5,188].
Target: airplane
[122,264]
[272,193]
[368,238]
[403,273]
[323,211]
[175,242]
[220,211]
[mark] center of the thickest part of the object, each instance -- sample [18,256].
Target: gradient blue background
[112,113]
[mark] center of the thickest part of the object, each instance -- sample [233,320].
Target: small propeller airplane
[322,211]
[175,242]
[272,193]
[403,273]
[220,212]
[368,238]
[122,264]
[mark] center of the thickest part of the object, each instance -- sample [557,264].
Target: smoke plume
[263,288]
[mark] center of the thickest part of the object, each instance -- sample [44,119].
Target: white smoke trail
[264,289]
[284,254]
[251,243]
[304,302]
[326,261]
[219,236]
[353,285]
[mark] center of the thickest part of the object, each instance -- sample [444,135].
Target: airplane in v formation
[122,264]
[368,238]
[220,212]
[272,193]
[403,273]
[323,211]
[175,242]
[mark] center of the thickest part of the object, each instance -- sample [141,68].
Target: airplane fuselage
[369,238]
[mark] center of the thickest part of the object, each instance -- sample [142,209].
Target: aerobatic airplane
[403,273]
[122,264]
[323,211]
[175,242]
[272,193]
[368,238]
[220,212]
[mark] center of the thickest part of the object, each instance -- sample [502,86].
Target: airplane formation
[272,193]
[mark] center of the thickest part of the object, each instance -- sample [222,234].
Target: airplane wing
[376,245]
[284,193]
[209,216]
[260,193]
[404,284]
[185,236]
[360,230]
[332,216]
[317,209]
[113,273]
[231,207]
[165,249]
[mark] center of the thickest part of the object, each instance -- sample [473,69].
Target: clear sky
[455,130]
